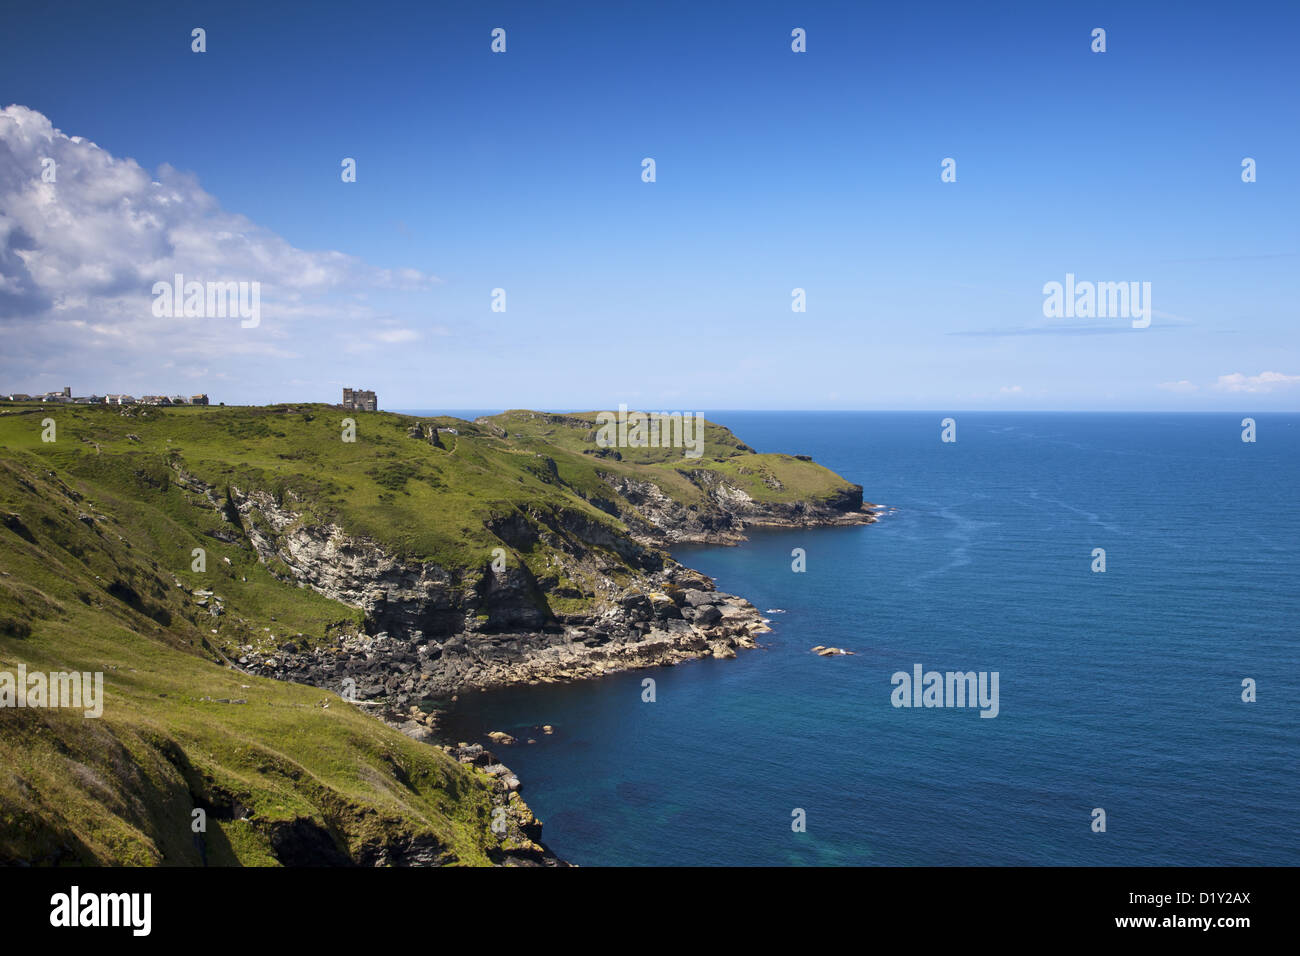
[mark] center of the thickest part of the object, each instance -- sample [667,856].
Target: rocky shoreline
[519,829]
[433,633]
[658,520]
[642,630]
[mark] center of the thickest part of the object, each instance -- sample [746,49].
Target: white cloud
[1263,382]
[393,336]
[79,257]
[1011,390]
[1180,386]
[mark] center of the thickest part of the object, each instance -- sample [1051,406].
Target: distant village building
[358,400]
[67,397]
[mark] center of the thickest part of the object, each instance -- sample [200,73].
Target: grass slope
[96,574]
[87,584]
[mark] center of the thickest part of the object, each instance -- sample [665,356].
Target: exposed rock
[431,632]
[707,615]
[659,519]
[517,829]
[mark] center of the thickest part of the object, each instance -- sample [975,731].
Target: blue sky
[775,170]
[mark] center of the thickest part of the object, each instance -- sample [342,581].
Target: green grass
[773,478]
[418,501]
[96,551]
[120,789]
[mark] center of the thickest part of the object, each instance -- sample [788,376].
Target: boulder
[707,615]
[696,598]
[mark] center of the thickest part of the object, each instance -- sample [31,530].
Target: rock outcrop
[432,632]
[517,828]
[656,518]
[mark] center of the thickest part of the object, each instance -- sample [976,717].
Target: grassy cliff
[98,531]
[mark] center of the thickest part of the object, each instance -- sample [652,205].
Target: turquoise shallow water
[1119,690]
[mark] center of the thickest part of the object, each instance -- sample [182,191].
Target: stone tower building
[360,400]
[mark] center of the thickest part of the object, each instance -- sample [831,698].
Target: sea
[1146,713]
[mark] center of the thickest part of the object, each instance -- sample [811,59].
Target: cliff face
[430,632]
[657,518]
